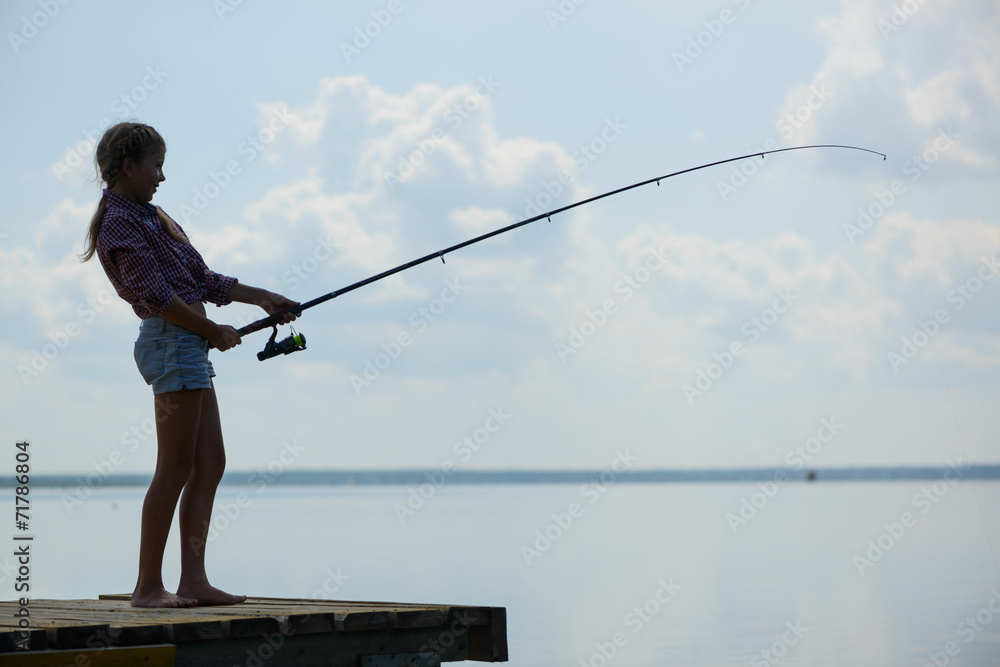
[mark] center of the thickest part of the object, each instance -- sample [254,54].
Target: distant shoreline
[439,476]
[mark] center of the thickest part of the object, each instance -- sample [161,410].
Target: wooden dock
[261,632]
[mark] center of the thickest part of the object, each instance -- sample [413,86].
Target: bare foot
[207,594]
[161,598]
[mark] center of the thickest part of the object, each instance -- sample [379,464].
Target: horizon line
[396,476]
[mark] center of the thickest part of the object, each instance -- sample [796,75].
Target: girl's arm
[221,336]
[269,301]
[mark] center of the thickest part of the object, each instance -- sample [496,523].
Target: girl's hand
[275,303]
[224,338]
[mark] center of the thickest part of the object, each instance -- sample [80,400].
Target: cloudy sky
[819,307]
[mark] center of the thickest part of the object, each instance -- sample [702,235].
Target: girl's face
[146,176]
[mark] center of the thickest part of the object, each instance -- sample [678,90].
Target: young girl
[153,266]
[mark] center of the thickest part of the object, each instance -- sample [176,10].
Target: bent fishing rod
[297,342]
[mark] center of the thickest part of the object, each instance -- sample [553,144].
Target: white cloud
[938,100]
[894,88]
[62,233]
[477,220]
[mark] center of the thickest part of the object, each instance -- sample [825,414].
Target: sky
[814,308]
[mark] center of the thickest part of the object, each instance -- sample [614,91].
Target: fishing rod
[297,342]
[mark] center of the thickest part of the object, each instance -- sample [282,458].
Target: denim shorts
[172,358]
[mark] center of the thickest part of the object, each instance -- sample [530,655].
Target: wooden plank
[307,624]
[467,616]
[284,602]
[335,649]
[417,618]
[79,635]
[425,659]
[146,656]
[360,620]
[141,635]
[195,631]
[105,635]
[375,604]
[83,616]
[76,636]
[489,643]
[262,606]
[253,626]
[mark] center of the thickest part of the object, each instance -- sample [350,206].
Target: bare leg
[196,507]
[177,417]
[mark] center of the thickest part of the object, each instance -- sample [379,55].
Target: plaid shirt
[147,267]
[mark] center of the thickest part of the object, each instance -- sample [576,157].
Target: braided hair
[124,140]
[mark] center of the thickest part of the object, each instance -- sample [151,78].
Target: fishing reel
[294,343]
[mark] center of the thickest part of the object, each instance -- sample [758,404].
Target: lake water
[856,573]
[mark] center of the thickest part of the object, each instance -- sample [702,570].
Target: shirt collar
[118,201]
[145,212]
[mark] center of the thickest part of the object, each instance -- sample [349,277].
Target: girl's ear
[128,167]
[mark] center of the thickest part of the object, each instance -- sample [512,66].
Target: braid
[132,140]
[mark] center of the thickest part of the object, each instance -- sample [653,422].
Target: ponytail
[95,229]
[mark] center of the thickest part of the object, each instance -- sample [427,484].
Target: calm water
[657,568]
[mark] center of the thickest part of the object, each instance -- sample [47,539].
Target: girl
[153,266]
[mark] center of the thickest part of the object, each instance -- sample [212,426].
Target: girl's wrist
[262,297]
